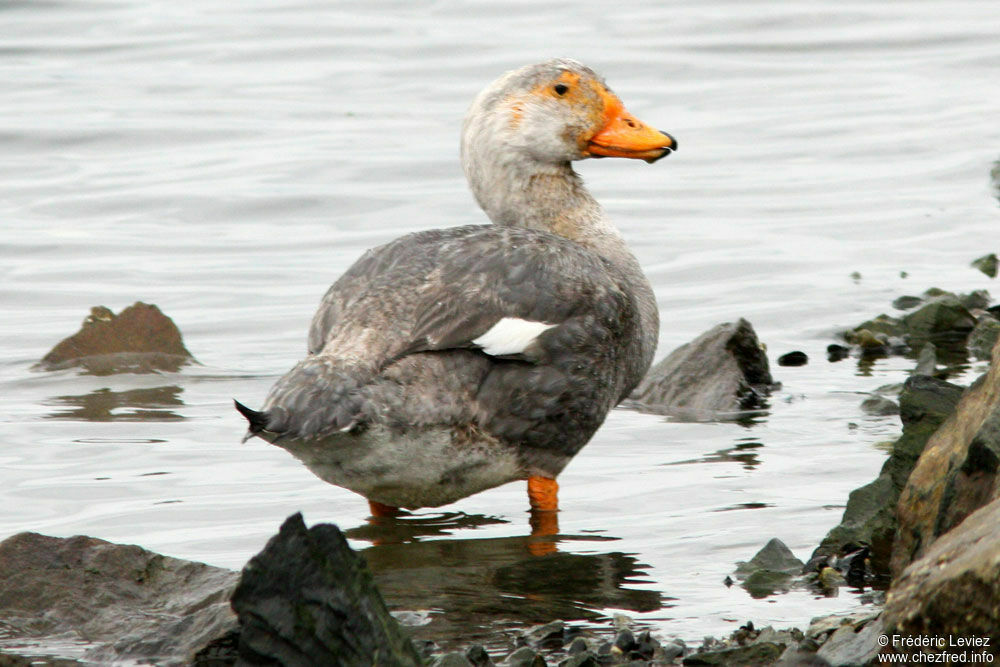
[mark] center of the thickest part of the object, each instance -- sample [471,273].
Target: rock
[524,657]
[478,656]
[625,641]
[906,302]
[926,360]
[721,372]
[941,317]
[307,598]
[770,570]
[549,635]
[140,339]
[754,655]
[975,300]
[830,579]
[130,604]
[883,324]
[879,406]
[983,337]
[453,659]
[580,660]
[870,516]
[836,352]
[954,589]
[987,264]
[852,645]
[774,556]
[956,473]
[795,358]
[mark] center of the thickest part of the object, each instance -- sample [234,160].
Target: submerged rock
[139,339]
[957,472]
[983,337]
[954,589]
[722,372]
[987,264]
[307,598]
[795,358]
[869,519]
[770,570]
[942,316]
[131,605]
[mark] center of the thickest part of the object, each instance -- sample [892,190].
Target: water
[228,161]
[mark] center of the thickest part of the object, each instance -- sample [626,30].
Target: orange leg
[378,509]
[543,494]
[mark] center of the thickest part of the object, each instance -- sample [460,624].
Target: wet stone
[139,339]
[454,659]
[580,660]
[927,360]
[625,641]
[795,358]
[549,635]
[836,352]
[987,264]
[525,657]
[906,302]
[879,406]
[983,337]
[478,656]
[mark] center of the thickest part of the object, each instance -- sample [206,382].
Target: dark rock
[795,358]
[525,657]
[983,337]
[926,360]
[307,598]
[954,589]
[453,659]
[975,300]
[883,324]
[870,516]
[130,604]
[625,641]
[774,556]
[852,646]
[836,352]
[907,302]
[579,645]
[943,316]
[580,660]
[139,339]
[771,570]
[672,649]
[879,406]
[549,635]
[723,371]
[478,656]
[797,656]
[957,472]
[754,655]
[987,264]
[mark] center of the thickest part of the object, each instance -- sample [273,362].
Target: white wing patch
[511,335]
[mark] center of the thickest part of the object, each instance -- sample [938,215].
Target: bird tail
[316,398]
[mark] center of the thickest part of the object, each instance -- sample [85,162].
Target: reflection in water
[475,587]
[741,453]
[105,405]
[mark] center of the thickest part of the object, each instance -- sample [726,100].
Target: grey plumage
[451,361]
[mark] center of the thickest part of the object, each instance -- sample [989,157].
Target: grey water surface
[227,161]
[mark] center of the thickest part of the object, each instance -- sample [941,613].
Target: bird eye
[560,88]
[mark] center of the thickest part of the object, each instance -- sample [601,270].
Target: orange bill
[623,135]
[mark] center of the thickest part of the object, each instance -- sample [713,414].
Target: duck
[451,361]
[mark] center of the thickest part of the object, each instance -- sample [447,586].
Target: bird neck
[544,196]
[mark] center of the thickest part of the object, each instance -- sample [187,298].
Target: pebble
[795,358]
